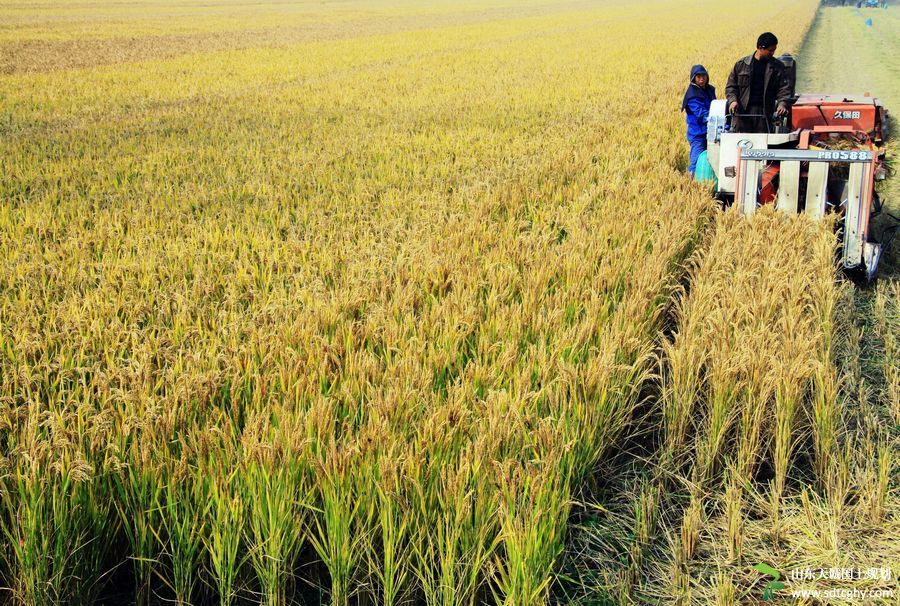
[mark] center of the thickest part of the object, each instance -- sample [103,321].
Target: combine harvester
[824,156]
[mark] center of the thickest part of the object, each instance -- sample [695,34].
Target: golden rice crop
[758,422]
[771,448]
[353,316]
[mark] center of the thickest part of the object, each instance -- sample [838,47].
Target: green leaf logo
[773,585]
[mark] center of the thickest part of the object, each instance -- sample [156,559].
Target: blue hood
[693,91]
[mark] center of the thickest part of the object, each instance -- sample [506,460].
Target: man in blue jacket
[697,99]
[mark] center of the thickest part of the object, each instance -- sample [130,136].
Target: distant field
[42,37]
[843,52]
[357,302]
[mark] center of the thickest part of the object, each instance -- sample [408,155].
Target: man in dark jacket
[758,87]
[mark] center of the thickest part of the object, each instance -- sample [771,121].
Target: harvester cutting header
[816,153]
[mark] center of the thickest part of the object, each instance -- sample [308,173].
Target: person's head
[766,45]
[699,76]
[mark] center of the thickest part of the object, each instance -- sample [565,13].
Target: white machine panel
[789,186]
[853,227]
[815,189]
[730,144]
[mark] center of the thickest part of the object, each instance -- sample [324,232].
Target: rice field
[349,302]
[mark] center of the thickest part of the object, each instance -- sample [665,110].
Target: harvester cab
[824,156]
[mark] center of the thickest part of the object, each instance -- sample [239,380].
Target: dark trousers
[757,123]
[698,146]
